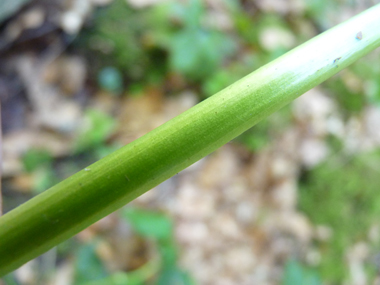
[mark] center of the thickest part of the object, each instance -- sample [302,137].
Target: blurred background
[294,200]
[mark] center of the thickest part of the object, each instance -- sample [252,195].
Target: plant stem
[103,187]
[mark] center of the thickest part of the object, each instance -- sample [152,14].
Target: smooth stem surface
[103,187]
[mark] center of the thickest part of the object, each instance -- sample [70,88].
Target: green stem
[89,195]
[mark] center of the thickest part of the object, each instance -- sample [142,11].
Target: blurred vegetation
[90,145]
[39,163]
[342,193]
[135,48]
[145,45]
[161,270]
[297,274]
[158,265]
[160,228]
[92,138]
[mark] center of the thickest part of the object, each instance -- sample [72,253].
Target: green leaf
[10,279]
[296,274]
[198,53]
[43,179]
[88,266]
[149,224]
[169,252]
[193,14]
[342,193]
[293,274]
[98,126]
[174,276]
[36,158]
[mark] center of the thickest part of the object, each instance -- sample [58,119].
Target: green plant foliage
[196,51]
[226,76]
[255,54]
[149,224]
[10,279]
[159,227]
[350,101]
[243,24]
[115,38]
[257,137]
[90,270]
[120,278]
[319,9]
[36,158]
[98,127]
[43,179]
[264,132]
[88,266]
[296,274]
[40,164]
[342,194]
[218,81]
[144,44]
[174,276]
[369,70]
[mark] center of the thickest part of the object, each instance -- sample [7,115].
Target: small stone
[225,225]
[272,38]
[323,233]
[246,212]
[26,274]
[71,22]
[246,257]
[195,203]
[33,18]
[313,152]
[313,257]
[280,167]
[374,233]
[192,232]
[284,194]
